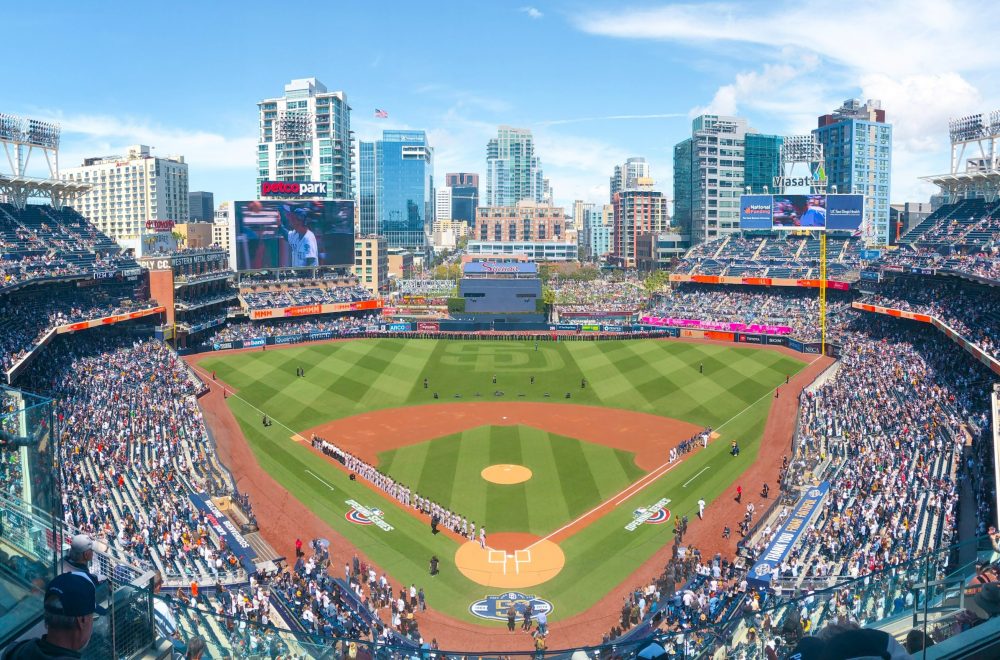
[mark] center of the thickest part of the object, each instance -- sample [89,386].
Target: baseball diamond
[593,422]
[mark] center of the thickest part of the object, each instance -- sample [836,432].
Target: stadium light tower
[21,137]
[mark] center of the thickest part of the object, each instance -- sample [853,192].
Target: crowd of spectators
[595,296]
[42,243]
[25,318]
[972,310]
[426,288]
[133,448]
[792,307]
[341,325]
[318,295]
[774,256]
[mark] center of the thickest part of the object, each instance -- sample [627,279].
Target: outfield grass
[569,477]
[347,378]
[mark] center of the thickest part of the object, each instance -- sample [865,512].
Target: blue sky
[596,81]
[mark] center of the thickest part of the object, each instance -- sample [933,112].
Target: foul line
[653,476]
[322,480]
[695,476]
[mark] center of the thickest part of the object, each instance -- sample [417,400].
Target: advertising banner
[293,189]
[788,534]
[399,327]
[306,310]
[692,334]
[293,234]
[109,320]
[888,311]
[751,339]
[225,529]
[758,328]
[326,334]
[226,345]
[755,212]
[428,326]
[720,336]
[775,341]
[567,326]
[613,328]
[795,345]
[845,212]
[871,276]
[255,342]
[790,212]
[757,281]
[590,327]
[871,255]
[287,339]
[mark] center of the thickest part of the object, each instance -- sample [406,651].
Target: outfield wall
[553,331]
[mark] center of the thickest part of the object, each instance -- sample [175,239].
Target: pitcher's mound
[510,569]
[505,473]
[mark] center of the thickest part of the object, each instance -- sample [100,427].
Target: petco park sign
[292,188]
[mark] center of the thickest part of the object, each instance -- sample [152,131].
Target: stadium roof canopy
[17,189]
[968,184]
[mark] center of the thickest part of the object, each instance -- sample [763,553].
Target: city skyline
[193,108]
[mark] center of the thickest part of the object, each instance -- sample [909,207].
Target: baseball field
[564,458]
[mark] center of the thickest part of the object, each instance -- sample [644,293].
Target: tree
[655,282]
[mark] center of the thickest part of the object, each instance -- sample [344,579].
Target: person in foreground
[70,605]
[842,640]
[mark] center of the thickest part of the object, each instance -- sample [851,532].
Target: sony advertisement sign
[293,189]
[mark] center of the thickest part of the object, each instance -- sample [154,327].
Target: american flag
[381,114]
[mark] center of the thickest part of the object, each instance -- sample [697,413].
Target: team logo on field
[359,514]
[653,514]
[495,607]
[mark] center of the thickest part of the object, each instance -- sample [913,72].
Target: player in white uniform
[301,240]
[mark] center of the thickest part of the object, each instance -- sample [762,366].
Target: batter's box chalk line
[501,557]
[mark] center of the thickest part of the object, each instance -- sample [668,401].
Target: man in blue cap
[70,604]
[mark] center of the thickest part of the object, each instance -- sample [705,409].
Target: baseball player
[482,537]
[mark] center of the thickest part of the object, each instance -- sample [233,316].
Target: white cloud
[531,12]
[98,135]
[757,86]
[912,55]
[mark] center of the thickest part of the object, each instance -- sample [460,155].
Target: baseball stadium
[782,432]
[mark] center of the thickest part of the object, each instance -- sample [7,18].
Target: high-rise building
[596,231]
[762,162]
[628,174]
[442,203]
[201,206]
[710,174]
[637,211]
[580,208]
[221,233]
[396,177]
[512,169]
[305,135]
[857,147]
[371,263]
[464,195]
[131,190]
[525,221]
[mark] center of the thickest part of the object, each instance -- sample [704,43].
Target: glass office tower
[395,183]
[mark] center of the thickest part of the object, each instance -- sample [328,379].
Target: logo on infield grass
[359,514]
[495,607]
[654,514]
